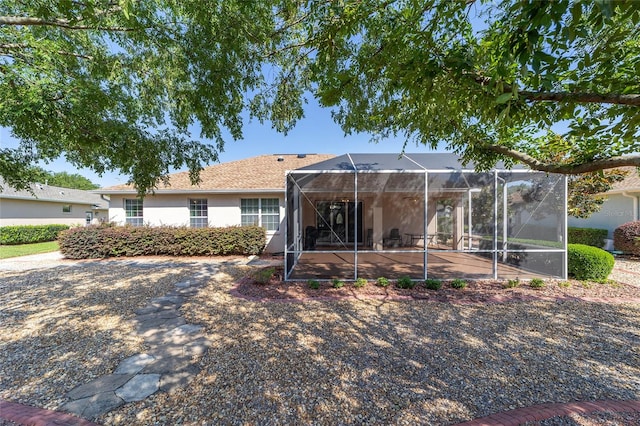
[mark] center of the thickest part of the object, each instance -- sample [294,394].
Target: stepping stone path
[167,365]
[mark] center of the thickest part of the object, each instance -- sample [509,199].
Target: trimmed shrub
[263,276]
[537,283]
[589,263]
[512,283]
[626,238]
[94,242]
[587,236]
[336,283]
[382,282]
[433,284]
[360,282]
[458,283]
[313,284]
[29,234]
[405,282]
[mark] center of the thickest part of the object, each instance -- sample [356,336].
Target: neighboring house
[243,192]
[622,206]
[46,204]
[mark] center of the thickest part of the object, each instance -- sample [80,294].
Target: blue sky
[316,133]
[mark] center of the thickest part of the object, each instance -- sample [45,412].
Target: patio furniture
[412,239]
[394,239]
[311,235]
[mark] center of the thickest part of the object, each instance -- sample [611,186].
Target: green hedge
[587,236]
[94,242]
[29,234]
[589,263]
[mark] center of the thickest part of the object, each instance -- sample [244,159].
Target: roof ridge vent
[302,155]
[280,158]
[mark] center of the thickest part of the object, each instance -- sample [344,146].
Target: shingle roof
[54,194]
[261,173]
[630,183]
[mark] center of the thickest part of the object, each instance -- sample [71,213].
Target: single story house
[621,206]
[244,192]
[46,204]
[370,215]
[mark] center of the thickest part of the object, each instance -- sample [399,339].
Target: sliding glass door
[336,222]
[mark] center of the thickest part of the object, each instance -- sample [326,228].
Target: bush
[29,234]
[382,282]
[626,238]
[314,284]
[405,282]
[589,263]
[263,276]
[433,284]
[360,282]
[94,242]
[337,283]
[587,236]
[512,283]
[536,283]
[458,283]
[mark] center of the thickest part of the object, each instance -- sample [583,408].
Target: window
[263,212]
[198,213]
[66,208]
[133,211]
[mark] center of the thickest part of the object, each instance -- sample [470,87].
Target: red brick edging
[33,416]
[545,411]
[27,415]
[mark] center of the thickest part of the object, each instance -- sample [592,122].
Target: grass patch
[27,249]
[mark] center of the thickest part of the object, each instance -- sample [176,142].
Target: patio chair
[394,239]
[311,235]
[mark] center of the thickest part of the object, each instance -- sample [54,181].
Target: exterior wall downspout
[635,204]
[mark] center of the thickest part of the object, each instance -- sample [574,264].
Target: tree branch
[13,46]
[61,23]
[567,169]
[22,46]
[583,98]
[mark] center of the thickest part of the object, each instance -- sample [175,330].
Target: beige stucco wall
[173,210]
[34,212]
[617,210]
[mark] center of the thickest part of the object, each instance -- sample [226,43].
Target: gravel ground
[626,270]
[65,326]
[341,362]
[408,362]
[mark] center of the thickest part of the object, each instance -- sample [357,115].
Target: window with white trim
[133,211]
[198,213]
[263,212]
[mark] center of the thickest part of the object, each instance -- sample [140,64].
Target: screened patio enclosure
[422,216]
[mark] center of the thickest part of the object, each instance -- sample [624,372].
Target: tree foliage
[65,180]
[117,85]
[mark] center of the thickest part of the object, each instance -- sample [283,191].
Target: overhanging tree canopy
[117,85]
